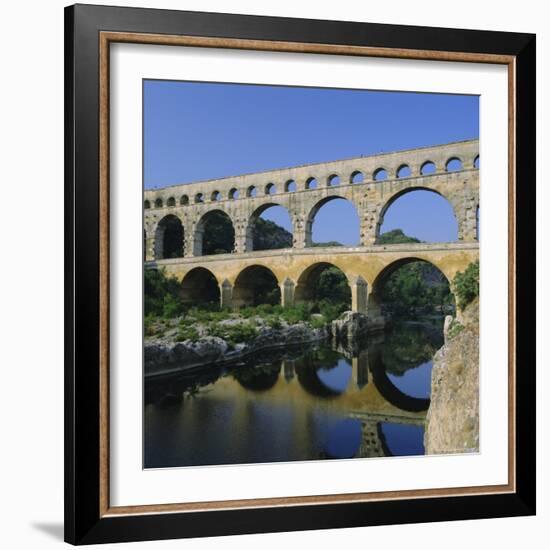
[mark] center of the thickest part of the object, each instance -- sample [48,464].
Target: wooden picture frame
[89,32]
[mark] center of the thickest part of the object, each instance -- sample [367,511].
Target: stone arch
[428,167]
[255,285]
[270,189]
[146,204]
[216,196]
[404,171]
[158,203]
[374,306]
[314,211]
[171,201]
[290,186]
[311,183]
[333,180]
[233,194]
[214,234]
[184,200]
[475,163]
[169,236]
[199,197]
[251,192]
[393,198]
[253,242]
[306,285]
[380,174]
[454,164]
[200,287]
[357,177]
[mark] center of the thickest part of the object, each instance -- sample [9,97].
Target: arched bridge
[370,183]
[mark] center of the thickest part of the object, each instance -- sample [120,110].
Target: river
[297,404]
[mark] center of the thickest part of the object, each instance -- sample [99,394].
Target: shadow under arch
[214,234]
[256,240]
[315,210]
[169,238]
[256,285]
[401,193]
[307,283]
[200,287]
[375,299]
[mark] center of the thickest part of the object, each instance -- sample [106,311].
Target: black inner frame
[83,524]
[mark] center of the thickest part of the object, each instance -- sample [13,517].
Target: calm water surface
[318,403]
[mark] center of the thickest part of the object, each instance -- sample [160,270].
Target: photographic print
[311,273]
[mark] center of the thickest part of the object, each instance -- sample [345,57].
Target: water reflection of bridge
[369,396]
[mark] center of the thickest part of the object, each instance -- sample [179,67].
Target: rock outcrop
[163,357]
[452,423]
[349,328]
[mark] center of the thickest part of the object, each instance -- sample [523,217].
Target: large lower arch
[200,287]
[348,225]
[268,234]
[450,216]
[378,309]
[169,238]
[256,285]
[214,234]
[323,281]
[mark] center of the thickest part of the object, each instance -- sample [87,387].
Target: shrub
[318,322]
[454,329]
[187,333]
[234,334]
[466,285]
[295,314]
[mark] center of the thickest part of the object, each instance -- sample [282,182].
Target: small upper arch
[333,179]
[380,174]
[251,191]
[475,164]
[184,200]
[171,201]
[216,196]
[290,186]
[158,203]
[357,177]
[199,197]
[404,171]
[233,194]
[311,183]
[146,204]
[270,189]
[428,167]
[453,164]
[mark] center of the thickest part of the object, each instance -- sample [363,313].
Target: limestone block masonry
[302,190]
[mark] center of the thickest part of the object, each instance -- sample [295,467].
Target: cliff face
[452,423]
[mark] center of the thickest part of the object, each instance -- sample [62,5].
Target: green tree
[161,294]
[466,285]
[395,236]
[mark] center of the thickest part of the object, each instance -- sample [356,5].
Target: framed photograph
[299,274]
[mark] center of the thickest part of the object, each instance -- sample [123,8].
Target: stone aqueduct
[450,170]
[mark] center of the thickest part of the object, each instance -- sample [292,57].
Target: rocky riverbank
[452,424]
[163,357]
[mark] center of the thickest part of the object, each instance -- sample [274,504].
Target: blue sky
[197,131]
